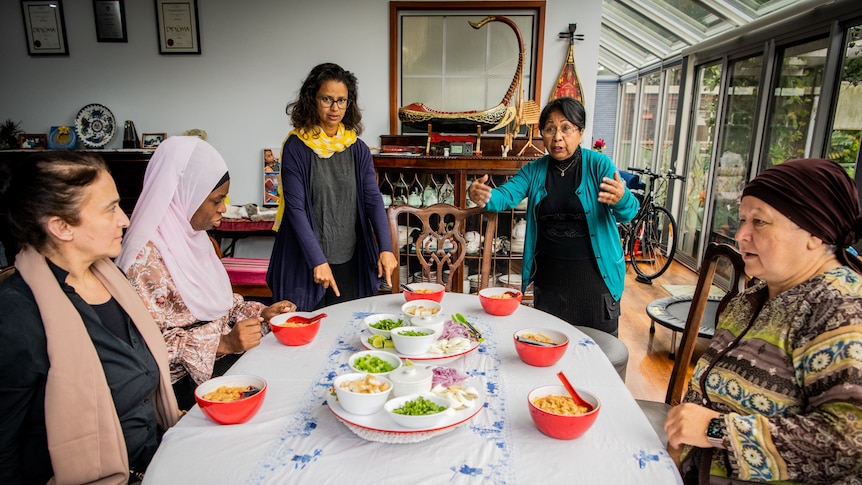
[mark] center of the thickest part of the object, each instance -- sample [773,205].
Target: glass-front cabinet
[422,181]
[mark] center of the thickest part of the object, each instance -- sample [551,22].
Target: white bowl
[427,421]
[389,357]
[360,403]
[420,308]
[411,379]
[372,319]
[413,345]
[511,280]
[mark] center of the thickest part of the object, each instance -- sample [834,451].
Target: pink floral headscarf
[183,171]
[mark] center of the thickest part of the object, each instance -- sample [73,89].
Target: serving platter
[427,358]
[95,125]
[382,428]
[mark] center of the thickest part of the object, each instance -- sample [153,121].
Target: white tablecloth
[295,438]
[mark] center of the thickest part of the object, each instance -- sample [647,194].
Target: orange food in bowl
[500,301]
[554,423]
[425,291]
[231,411]
[294,333]
[536,354]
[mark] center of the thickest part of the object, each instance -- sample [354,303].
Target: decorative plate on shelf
[95,125]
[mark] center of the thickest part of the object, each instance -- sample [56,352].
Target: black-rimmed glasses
[326,102]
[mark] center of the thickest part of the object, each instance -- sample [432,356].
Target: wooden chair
[441,243]
[656,412]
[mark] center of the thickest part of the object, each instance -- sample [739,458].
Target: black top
[131,372]
[562,229]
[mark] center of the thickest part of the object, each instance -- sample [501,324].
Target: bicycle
[649,237]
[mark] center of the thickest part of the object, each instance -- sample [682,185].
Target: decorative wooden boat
[417,115]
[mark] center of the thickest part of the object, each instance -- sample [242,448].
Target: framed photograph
[271,175]
[151,141]
[110,20]
[177,22]
[44,28]
[32,141]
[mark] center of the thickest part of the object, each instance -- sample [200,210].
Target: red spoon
[572,392]
[301,319]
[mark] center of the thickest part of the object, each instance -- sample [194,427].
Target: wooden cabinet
[424,180]
[126,166]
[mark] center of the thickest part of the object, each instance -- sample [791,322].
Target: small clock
[461,149]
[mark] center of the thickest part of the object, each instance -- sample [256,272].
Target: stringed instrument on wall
[419,116]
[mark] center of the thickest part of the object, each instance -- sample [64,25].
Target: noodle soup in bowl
[231,399]
[555,414]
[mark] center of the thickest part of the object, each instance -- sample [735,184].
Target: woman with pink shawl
[168,257]
[85,389]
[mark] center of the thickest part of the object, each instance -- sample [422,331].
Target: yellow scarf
[323,145]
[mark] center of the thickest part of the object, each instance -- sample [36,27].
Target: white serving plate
[381,422]
[427,358]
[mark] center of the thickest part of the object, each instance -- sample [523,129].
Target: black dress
[568,283]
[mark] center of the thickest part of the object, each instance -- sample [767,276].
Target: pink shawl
[85,439]
[180,176]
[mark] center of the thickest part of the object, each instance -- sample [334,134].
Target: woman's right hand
[323,276]
[479,192]
[246,334]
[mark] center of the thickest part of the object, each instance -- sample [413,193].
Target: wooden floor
[649,368]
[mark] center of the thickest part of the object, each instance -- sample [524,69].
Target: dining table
[296,436]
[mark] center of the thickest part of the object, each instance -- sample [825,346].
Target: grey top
[333,196]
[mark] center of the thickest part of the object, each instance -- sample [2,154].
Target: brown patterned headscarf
[819,197]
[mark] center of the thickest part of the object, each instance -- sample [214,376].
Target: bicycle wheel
[652,243]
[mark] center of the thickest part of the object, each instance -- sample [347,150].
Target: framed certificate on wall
[177,22]
[45,28]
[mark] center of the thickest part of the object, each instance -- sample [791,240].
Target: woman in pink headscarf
[169,259]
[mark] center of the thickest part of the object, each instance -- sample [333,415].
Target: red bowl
[499,306]
[431,291]
[540,355]
[294,335]
[559,426]
[231,412]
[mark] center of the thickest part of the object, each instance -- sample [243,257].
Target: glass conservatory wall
[736,141]
[625,133]
[847,122]
[794,101]
[701,135]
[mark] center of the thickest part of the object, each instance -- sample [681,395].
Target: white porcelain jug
[430,196]
[414,200]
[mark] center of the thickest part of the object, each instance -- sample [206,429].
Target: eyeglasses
[327,101]
[566,130]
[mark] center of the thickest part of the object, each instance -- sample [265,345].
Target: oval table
[295,438]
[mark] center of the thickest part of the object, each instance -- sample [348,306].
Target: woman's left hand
[686,425]
[612,191]
[386,265]
[278,308]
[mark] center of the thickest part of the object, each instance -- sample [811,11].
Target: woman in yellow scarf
[333,242]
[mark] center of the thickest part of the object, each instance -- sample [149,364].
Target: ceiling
[639,33]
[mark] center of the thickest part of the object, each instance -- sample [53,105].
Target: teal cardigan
[602,218]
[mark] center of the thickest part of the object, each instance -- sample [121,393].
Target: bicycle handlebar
[649,173]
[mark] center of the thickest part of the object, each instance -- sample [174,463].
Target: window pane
[665,143]
[627,114]
[699,156]
[423,54]
[648,115]
[844,139]
[736,137]
[794,102]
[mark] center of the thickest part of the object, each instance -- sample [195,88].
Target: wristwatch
[715,432]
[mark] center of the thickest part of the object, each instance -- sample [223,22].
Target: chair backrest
[441,243]
[715,252]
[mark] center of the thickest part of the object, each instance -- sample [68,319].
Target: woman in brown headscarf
[84,373]
[777,397]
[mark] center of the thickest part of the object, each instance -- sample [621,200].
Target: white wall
[254,56]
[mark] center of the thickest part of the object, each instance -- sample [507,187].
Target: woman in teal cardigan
[572,250]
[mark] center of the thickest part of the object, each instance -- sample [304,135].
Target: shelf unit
[448,178]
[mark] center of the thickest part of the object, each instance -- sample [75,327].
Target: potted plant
[9,132]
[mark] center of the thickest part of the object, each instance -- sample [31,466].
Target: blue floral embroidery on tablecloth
[284,455]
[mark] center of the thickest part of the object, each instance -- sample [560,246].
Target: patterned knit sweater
[792,387]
